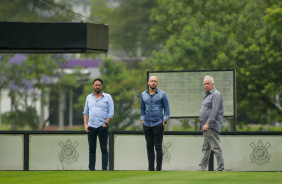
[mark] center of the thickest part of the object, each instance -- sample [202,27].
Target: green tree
[129,27]
[29,79]
[217,34]
[35,11]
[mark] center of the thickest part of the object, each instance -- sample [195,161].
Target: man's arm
[85,119]
[86,116]
[166,108]
[111,111]
[107,122]
[111,107]
[142,109]
[216,102]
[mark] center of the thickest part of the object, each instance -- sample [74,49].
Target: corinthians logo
[68,153]
[166,155]
[260,154]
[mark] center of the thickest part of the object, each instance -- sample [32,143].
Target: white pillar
[71,108]
[61,110]
[41,120]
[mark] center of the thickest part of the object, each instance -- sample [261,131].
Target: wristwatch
[107,123]
[165,122]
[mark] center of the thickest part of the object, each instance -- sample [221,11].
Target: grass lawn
[121,177]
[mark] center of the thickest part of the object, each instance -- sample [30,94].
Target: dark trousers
[102,133]
[154,138]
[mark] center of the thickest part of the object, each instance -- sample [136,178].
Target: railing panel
[11,152]
[60,152]
[242,151]
[252,153]
[180,152]
[130,152]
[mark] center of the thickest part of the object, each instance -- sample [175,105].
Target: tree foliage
[226,34]
[27,78]
[30,78]
[129,26]
[35,11]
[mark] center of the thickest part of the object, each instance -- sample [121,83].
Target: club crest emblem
[260,154]
[166,154]
[68,153]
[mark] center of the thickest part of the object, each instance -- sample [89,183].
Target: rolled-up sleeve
[143,109]
[111,107]
[86,108]
[166,108]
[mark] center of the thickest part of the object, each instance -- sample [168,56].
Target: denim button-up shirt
[152,107]
[98,110]
[212,110]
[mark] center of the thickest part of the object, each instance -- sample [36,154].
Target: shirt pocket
[208,103]
[145,98]
[157,99]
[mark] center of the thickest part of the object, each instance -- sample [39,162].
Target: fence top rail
[138,132]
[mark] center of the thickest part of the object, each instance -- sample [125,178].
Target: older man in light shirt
[211,116]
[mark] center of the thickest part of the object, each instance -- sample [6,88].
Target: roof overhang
[72,37]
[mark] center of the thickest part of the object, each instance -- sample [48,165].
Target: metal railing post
[111,151]
[26,151]
[211,162]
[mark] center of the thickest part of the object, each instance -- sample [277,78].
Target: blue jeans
[102,133]
[154,138]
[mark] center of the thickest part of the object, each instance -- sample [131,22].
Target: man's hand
[143,121]
[206,126]
[164,123]
[86,128]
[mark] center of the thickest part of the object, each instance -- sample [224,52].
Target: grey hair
[209,77]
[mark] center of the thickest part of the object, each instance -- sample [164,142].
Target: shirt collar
[211,91]
[157,91]
[102,93]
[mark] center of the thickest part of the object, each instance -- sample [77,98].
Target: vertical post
[26,151]
[234,99]
[71,108]
[42,111]
[61,110]
[211,162]
[111,151]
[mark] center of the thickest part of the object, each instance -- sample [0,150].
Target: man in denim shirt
[211,115]
[153,102]
[98,111]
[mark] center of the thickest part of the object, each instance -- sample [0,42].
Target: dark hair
[98,79]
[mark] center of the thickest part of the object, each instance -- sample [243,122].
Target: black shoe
[158,169]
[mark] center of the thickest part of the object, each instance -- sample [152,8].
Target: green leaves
[216,34]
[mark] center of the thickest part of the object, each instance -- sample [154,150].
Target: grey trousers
[211,142]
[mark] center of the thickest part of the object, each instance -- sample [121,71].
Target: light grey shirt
[212,110]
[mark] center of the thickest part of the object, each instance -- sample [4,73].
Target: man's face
[97,86]
[208,85]
[153,82]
